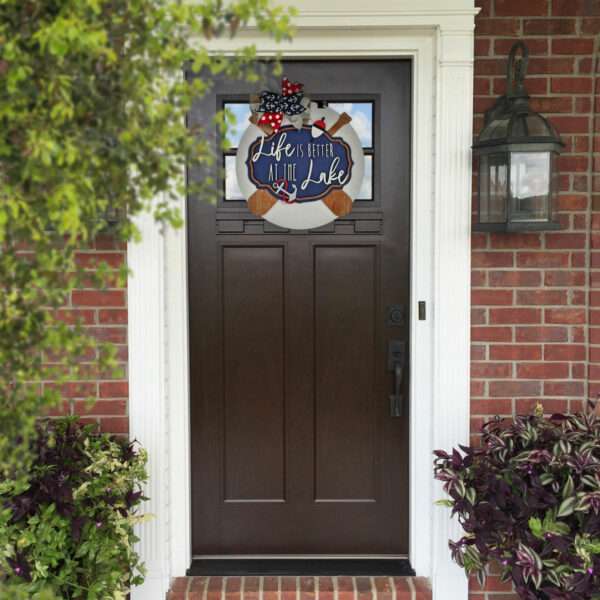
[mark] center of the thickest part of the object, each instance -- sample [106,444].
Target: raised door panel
[253,373]
[345,306]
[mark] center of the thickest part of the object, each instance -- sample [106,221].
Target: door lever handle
[396,399]
[396,351]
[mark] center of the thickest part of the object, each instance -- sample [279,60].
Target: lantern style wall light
[517,151]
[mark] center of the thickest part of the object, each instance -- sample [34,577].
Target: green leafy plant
[92,125]
[67,528]
[529,499]
[93,132]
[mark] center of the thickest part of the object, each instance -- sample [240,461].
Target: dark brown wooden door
[294,449]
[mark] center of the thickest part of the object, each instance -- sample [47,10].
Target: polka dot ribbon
[275,106]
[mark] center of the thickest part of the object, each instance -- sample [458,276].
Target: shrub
[529,498]
[68,528]
[93,132]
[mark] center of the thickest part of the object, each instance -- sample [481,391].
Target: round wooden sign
[303,170]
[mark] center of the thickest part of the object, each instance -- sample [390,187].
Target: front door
[297,448]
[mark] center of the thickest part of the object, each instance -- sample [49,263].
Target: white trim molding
[147,396]
[452,283]
[437,35]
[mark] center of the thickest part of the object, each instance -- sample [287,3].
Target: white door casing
[438,36]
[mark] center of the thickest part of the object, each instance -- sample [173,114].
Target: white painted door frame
[437,35]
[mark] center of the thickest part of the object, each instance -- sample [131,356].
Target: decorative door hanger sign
[298,165]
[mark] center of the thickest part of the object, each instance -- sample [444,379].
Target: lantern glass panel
[530,186]
[496,129]
[536,126]
[493,169]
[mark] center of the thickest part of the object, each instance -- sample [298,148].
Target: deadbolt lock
[395,315]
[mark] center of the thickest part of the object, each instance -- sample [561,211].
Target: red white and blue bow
[274,107]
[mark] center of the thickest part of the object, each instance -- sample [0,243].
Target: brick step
[300,588]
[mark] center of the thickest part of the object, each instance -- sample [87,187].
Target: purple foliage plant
[529,499]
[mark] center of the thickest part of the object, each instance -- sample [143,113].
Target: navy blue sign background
[297,167]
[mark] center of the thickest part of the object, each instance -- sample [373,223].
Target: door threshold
[237,567]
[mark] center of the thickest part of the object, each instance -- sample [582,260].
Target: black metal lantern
[517,151]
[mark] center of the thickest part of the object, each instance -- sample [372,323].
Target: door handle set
[396,357]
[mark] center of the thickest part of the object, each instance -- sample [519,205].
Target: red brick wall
[104,313]
[536,314]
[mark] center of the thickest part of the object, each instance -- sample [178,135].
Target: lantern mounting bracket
[516,70]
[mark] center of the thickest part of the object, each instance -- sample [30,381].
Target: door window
[362,122]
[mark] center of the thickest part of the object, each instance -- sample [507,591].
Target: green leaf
[567,507]
[568,488]
[447,503]
[535,525]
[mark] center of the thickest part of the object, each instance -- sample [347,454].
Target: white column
[452,282]
[177,368]
[147,402]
